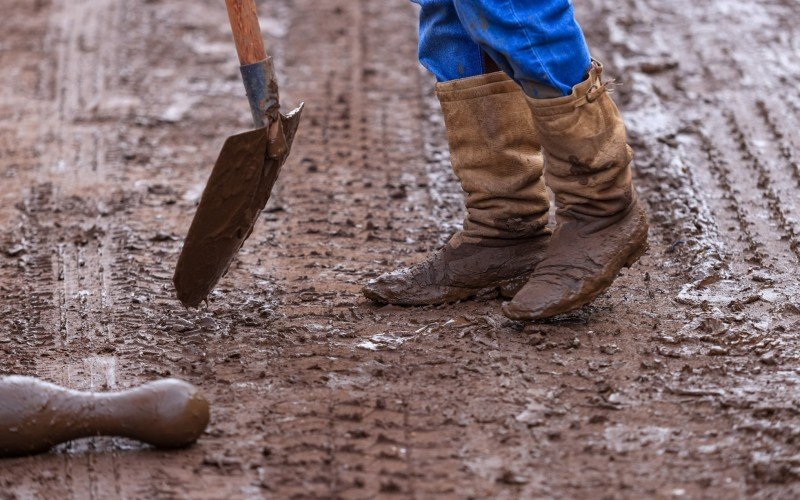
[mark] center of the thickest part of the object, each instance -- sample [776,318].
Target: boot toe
[381,290]
[526,310]
[536,301]
[517,312]
[373,293]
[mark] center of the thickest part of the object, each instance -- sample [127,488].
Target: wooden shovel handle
[246,31]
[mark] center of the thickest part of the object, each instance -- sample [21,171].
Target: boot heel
[633,259]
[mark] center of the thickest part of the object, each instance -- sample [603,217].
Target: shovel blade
[237,191]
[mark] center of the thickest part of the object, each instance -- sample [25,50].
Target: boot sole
[506,289]
[450,296]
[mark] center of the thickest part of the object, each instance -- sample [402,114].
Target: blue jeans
[537,42]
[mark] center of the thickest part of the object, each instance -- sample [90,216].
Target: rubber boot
[496,158]
[601,226]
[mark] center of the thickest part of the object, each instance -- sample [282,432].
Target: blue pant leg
[445,47]
[537,42]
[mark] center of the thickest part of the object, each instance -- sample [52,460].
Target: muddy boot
[601,227]
[495,155]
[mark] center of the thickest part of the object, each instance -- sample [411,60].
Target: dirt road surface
[681,381]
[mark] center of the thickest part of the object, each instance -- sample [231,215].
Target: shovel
[245,172]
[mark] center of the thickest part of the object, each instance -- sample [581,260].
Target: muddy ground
[681,381]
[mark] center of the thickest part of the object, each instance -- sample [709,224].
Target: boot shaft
[496,157]
[588,160]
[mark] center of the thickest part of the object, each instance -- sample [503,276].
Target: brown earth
[682,380]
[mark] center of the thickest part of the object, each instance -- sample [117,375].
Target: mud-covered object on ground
[36,415]
[681,379]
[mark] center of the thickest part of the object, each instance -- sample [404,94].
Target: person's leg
[601,227]
[490,132]
[445,47]
[538,43]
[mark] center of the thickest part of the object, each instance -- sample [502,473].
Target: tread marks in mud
[336,442]
[787,149]
[764,182]
[82,41]
[738,168]
[36,324]
[722,170]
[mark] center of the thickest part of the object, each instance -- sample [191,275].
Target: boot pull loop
[598,87]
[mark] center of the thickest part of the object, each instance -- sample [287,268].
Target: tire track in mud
[303,458]
[351,445]
[82,39]
[725,87]
[369,440]
[763,178]
[720,138]
[21,218]
[67,259]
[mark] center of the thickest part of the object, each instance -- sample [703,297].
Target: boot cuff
[583,93]
[476,87]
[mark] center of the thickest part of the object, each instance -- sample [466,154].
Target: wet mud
[36,415]
[679,381]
